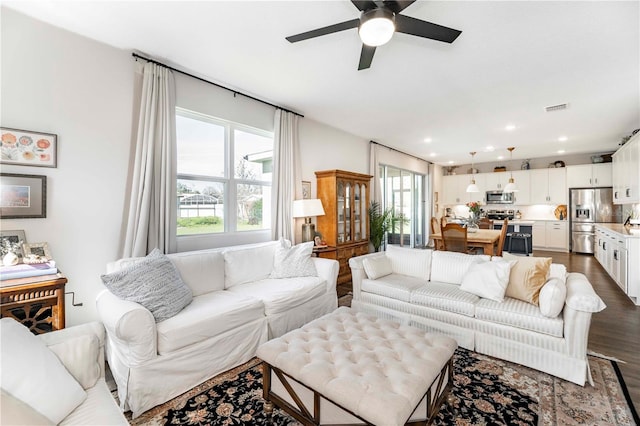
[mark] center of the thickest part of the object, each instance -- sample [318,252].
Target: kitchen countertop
[618,228]
[515,222]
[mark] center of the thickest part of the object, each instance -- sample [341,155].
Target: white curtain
[374,170]
[287,185]
[152,214]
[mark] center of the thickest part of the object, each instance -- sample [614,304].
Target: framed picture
[36,249]
[306,190]
[14,238]
[23,196]
[27,148]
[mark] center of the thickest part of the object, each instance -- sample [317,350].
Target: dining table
[487,239]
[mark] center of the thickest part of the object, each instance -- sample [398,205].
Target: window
[404,192]
[224,175]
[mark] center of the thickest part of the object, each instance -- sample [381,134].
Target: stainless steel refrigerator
[588,207]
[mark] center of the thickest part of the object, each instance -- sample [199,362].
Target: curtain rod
[401,152]
[235,92]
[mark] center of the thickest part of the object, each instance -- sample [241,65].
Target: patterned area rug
[486,391]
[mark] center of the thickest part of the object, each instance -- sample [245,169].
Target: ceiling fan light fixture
[376,27]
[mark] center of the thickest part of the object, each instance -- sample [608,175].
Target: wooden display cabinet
[345,224]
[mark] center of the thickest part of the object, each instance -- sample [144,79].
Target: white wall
[54,81]
[57,82]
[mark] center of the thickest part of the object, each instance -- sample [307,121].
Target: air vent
[558,107]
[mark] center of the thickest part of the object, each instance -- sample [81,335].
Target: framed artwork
[23,196]
[39,250]
[14,239]
[306,190]
[27,148]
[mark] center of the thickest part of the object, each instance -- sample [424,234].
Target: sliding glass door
[404,191]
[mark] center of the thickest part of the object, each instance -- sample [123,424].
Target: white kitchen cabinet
[617,250]
[626,172]
[454,189]
[589,175]
[557,235]
[539,234]
[522,179]
[548,186]
[496,181]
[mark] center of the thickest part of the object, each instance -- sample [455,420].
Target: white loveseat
[56,377]
[424,289]
[235,308]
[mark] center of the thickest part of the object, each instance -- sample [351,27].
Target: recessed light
[561,151]
[500,157]
[451,162]
[427,140]
[433,154]
[510,127]
[490,148]
[562,139]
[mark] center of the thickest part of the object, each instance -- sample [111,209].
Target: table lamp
[307,209]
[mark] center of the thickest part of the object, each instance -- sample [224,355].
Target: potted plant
[381,222]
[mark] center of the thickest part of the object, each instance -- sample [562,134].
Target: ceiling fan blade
[398,6]
[364,4]
[366,56]
[420,28]
[347,25]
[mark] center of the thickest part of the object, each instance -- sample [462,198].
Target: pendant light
[472,186]
[511,186]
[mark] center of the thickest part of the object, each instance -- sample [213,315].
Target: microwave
[499,197]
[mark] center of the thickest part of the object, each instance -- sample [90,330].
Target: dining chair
[454,237]
[485,223]
[434,225]
[503,234]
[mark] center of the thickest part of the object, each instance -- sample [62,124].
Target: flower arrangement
[474,208]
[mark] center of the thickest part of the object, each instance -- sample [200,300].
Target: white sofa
[423,289]
[80,349]
[235,308]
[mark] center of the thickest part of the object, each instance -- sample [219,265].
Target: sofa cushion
[282,294]
[80,356]
[208,315]
[293,261]
[153,282]
[395,286]
[488,280]
[446,297]
[248,264]
[409,261]
[99,408]
[377,267]
[24,355]
[552,297]
[450,267]
[202,271]
[516,313]
[16,412]
[527,277]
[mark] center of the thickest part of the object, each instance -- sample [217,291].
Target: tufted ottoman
[350,367]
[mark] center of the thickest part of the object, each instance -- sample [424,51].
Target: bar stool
[519,236]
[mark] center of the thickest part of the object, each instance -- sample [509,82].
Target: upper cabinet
[589,175]
[626,172]
[496,181]
[454,189]
[522,179]
[548,186]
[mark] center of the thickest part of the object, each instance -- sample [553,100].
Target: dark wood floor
[615,331]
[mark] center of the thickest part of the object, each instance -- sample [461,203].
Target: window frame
[229,181]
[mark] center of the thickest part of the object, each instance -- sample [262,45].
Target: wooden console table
[36,302]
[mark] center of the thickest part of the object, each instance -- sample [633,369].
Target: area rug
[487,391]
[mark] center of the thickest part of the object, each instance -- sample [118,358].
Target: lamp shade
[307,208]
[473,187]
[511,186]
[376,27]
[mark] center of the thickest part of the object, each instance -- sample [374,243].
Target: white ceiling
[511,60]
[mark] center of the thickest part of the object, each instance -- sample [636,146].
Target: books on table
[24,270]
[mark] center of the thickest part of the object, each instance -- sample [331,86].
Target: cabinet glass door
[341,211]
[348,225]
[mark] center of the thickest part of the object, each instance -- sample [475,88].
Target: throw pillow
[249,264]
[377,267]
[153,282]
[450,267]
[290,262]
[552,296]
[34,375]
[16,412]
[410,261]
[528,276]
[80,357]
[488,279]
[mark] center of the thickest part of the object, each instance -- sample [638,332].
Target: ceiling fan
[376,25]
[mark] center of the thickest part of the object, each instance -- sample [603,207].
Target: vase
[10,259]
[472,227]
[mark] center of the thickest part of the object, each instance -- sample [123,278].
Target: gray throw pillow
[153,282]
